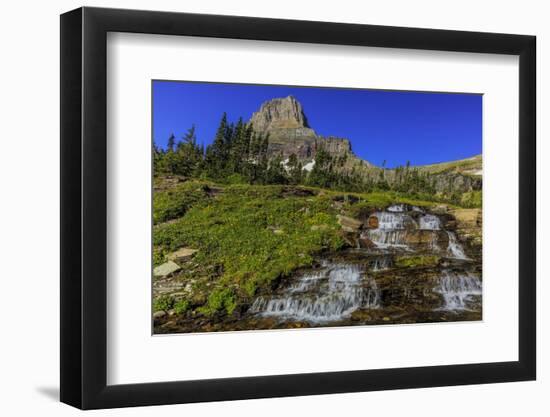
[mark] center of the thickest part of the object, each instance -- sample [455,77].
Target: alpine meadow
[280,207]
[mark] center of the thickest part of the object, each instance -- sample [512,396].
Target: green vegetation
[163,303]
[256,219]
[181,306]
[174,202]
[238,155]
[248,237]
[472,199]
[252,235]
[462,166]
[416,261]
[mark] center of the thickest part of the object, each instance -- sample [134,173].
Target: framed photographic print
[257,208]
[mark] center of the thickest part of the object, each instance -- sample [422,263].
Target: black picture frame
[84,207]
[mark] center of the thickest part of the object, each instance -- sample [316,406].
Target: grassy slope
[467,166]
[249,236]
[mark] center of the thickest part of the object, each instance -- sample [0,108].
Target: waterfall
[391,231]
[429,222]
[455,249]
[458,290]
[381,263]
[331,294]
[396,208]
[383,238]
[393,221]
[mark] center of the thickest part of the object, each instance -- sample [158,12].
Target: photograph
[284,207]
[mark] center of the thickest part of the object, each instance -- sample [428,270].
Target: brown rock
[349,224]
[182,254]
[372,222]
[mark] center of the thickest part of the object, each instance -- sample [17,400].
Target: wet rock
[166,269]
[372,222]
[365,243]
[469,227]
[349,224]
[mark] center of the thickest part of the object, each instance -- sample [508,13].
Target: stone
[279,113]
[372,222]
[349,224]
[158,315]
[166,269]
[284,120]
[182,254]
[366,243]
[441,208]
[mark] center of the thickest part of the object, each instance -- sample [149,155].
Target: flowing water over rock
[413,271]
[459,291]
[330,294]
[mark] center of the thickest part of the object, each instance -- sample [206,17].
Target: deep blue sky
[395,126]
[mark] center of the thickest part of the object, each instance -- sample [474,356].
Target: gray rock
[158,315]
[166,269]
[182,254]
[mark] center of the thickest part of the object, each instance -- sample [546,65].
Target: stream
[368,286]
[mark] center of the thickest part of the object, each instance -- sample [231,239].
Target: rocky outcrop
[279,113]
[284,120]
[468,225]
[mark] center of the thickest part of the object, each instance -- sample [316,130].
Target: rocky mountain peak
[279,113]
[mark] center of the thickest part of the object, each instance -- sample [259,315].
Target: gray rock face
[284,120]
[279,113]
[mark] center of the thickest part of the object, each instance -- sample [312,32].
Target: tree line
[238,154]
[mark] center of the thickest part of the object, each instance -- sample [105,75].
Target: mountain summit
[279,113]
[284,120]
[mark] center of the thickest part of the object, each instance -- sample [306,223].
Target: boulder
[159,315]
[372,222]
[166,269]
[349,224]
[182,254]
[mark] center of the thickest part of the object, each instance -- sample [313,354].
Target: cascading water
[458,290]
[379,277]
[380,263]
[331,294]
[455,249]
[429,222]
[391,231]
[396,208]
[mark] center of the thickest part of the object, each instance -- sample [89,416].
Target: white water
[393,221]
[331,294]
[455,249]
[387,238]
[391,231]
[396,208]
[429,222]
[381,263]
[458,290]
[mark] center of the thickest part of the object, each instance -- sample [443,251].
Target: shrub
[181,306]
[174,203]
[163,303]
